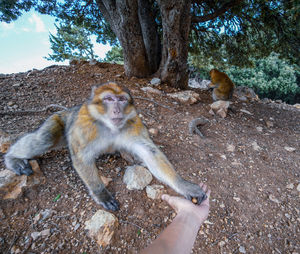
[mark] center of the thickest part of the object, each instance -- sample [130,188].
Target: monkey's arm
[88,172]
[162,169]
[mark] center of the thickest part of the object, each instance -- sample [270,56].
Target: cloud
[39,24]
[6,26]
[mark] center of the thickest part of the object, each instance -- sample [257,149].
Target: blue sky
[25,42]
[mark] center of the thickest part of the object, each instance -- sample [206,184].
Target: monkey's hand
[19,166]
[105,199]
[192,191]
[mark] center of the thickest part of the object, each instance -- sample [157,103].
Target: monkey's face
[112,105]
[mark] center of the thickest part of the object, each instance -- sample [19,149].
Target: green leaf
[57,198]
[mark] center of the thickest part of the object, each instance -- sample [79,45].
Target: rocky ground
[250,160]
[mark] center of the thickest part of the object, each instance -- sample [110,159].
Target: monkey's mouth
[117,121]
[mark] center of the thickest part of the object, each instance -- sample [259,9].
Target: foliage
[115,55]
[71,42]
[229,31]
[270,77]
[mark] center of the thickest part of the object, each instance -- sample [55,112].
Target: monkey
[222,85]
[106,122]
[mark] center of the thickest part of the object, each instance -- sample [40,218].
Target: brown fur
[222,85]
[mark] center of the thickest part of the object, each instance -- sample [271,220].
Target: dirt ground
[254,179]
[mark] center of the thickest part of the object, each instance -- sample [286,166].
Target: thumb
[170,200]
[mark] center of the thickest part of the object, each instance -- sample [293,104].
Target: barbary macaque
[222,85]
[105,123]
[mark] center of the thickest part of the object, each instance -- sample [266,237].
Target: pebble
[298,187]
[221,244]
[242,249]
[155,81]
[273,199]
[290,186]
[290,149]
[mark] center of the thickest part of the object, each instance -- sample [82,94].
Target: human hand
[185,207]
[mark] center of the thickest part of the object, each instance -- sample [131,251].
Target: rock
[10,103]
[298,187]
[237,199]
[221,243]
[151,90]
[273,199]
[222,112]
[185,97]
[242,249]
[45,232]
[269,124]
[255,146]
[5,141]
[153,132]
[101,227]
[244,93]
[11,185]
[220,107]
[155,82]
[297,106]
[137,177]
[194,83]
[154,191]
[290,149]
[36,235]
[290,186]
[259,128]
[230,148]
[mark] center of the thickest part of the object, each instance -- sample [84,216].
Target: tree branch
[217,13]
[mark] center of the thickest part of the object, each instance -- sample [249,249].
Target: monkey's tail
[193,126]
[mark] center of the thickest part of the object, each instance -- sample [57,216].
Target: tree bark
[133,22]
[150,34]
[124,21]
[176,19]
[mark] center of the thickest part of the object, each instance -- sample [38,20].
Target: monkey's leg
[49,134]
[162,169]
[88,172]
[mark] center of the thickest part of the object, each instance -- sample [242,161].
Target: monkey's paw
[105,199]
[19,166]
[193,191]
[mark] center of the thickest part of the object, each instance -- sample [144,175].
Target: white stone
[137,177]
[185,97]
[155,81]
[290,186]
[242,249]
[290,149]
[273,199]
[154,191]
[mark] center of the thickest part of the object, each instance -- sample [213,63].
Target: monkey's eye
[122,99]
[109,98]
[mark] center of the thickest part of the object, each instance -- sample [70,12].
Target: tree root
[193,126]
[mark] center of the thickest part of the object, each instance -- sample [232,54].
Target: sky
[25,42]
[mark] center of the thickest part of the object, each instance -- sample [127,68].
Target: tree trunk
[176,19]
[150,34]
[124,21]
[133,22]
[134,25]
